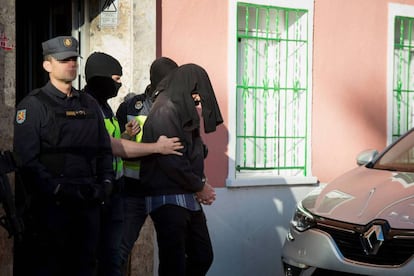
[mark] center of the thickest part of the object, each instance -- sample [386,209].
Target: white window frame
[394,10]
[234,178]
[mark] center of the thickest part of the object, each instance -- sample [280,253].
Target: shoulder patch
[21,116]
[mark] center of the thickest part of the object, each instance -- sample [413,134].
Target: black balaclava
[184,81]
[99,69]
[160,68]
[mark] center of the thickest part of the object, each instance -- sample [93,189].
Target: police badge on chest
[138,105]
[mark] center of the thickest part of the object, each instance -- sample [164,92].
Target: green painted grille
[403,88]
[272,90]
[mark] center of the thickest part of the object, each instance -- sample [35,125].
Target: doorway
[47,19]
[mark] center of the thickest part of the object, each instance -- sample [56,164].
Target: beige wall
[7,99]
[7,75]
[132,42]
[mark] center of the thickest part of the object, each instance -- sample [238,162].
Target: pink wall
[349,109]
[196,32]
[349,82]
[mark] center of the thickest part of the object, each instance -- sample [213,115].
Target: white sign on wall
[109,15]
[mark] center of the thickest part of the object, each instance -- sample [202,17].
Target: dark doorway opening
[47,19]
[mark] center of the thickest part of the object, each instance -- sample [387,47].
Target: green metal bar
[399,81]
[408,102]
[296,86]
[306,100]
[286,81]
[276,89]
[245,92]
[239,168]
[284,8]
[256,52]
[266,83]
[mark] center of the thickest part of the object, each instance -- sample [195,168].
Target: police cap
[61,47]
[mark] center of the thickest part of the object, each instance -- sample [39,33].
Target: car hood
[364,194]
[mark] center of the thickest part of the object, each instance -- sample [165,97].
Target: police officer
[67,170]
[103,76]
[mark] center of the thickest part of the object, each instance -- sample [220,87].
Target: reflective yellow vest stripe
[131,168]
[112,126]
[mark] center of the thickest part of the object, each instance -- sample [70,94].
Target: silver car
[362,223]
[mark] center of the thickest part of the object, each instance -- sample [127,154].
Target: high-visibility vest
[112,126]
[131,168]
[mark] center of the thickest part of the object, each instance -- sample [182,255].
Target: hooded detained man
[176,185]
[103,77]
[132,114]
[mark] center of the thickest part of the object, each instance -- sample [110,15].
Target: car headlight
[302,219]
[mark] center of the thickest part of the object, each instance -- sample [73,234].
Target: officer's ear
[47,66]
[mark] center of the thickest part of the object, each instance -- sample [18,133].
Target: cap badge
[138,105]
[67,42]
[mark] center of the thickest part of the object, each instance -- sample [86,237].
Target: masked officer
[103,77]
[67,170]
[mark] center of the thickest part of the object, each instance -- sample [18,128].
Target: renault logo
[372,239]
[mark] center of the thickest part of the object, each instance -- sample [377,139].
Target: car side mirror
[366,156]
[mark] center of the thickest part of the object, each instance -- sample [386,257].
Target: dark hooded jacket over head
[174,114]
[181,84]
[159,69]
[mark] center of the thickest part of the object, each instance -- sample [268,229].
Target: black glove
[108,187]
[68,193]
[101,193]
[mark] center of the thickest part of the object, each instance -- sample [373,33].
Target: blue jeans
[134,218]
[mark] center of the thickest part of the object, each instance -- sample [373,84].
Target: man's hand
[207,195]
[132,128]
[167,145]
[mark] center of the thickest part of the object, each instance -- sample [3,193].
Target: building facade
[303,85]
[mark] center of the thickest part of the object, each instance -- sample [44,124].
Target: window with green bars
[403,86]
[272,93]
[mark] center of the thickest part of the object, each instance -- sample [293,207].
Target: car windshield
[399,157]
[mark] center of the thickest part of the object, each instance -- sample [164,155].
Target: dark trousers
[184,243]
[109,258]
[59,240]
[134,218]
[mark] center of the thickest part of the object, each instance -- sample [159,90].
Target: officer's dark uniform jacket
[136,108]
[54,151]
